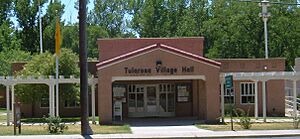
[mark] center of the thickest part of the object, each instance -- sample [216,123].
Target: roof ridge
[159,46]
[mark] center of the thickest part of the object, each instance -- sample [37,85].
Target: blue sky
[70,14]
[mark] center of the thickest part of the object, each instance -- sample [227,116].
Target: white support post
[50,100]
[264,101]
[295,98]
[93,105]
[7,105]
[222,101]
[256,100]
[12,101]
[53,99]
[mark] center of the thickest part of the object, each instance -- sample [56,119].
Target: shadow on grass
[43,120]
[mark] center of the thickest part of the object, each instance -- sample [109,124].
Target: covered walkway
[9,82]
[262,77]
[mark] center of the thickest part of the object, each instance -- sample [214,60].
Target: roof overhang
[154,47]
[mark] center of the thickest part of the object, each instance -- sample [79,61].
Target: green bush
[227,109]
[245,121]
[55,125]
[296,123]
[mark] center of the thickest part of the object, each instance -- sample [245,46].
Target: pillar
[57,99]
[256,100]
[7,105]
[264,101]
[12,101]
[93,105]
[222,101]
[53,99]
[295,98]
[50,101]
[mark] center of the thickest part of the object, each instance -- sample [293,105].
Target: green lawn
[2,110]
[66,120]
[2,118]
[255,126]
[260,118]
[72,129]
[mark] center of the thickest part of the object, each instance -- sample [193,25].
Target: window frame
[248,93]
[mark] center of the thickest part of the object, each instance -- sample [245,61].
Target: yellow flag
[57,37]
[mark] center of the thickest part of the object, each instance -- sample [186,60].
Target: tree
[284,32]
[109,15]
[55,10]
[5,10]
[70,37]
[236,31]
[8,56]
[150,21]
[8,38]
[94,32]
[44,65]
[26,12]
[173,18]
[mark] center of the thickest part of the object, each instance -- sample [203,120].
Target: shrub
[245,121]
[296,123]
[55,126]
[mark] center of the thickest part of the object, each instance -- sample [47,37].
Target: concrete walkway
[173,132]
[167,129]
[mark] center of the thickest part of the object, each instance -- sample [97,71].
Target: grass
[65,120]
[72,129]
[228,117]
[42,120]
[2,110]
[254,126]
[2,118]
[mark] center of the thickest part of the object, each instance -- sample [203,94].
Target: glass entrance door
[166,99]
[136,100]
[151,99]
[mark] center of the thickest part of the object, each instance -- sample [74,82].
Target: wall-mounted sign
[119,92]
[158,70]
[183,93]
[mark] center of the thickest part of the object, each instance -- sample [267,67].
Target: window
[44,101]
[183,93]
[228,95]
[72,103]
[247,92]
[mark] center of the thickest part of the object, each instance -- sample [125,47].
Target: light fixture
[158,63]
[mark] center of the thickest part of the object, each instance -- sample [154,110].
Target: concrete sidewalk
[173,132]
[173,128]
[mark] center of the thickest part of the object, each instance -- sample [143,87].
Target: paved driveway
[167,130]
[164,126]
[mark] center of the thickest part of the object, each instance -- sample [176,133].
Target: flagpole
[57,54]
[57,82]
[41,33]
